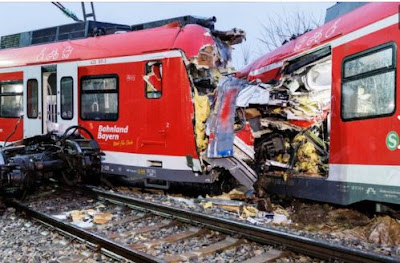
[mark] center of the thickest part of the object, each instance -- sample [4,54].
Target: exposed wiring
[15,129]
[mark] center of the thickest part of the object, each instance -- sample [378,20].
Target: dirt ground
[345,223]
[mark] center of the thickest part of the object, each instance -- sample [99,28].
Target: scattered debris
[207,205]
[249,211]
[384,230]
[234,194]
[102,218]
[86,218]
[264,205]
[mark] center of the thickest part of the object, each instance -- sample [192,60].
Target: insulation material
[307,156]
[221,122]
[202,111]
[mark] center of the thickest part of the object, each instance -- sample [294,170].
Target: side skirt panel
[136,172]
[343,193]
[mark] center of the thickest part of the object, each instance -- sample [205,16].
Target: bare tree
[246,53]
[279,29]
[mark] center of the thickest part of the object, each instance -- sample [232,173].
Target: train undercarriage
[68,157]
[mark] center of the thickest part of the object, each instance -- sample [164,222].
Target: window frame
[162,79]
[72,99]
[389,45]
[10,94]
[82,92]
[37,99]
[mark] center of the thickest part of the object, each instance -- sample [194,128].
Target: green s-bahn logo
[392,140]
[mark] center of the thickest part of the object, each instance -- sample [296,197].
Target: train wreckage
[174,110]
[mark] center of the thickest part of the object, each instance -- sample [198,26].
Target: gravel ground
[22,240]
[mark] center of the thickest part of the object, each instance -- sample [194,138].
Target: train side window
[67,98]
[32,104]
[11,99]
[153,80]
[369,83]
[99,98]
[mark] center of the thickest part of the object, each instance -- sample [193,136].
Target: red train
[133,87]
[358,54]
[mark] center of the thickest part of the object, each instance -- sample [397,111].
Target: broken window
[67,110]
[11,99]
[32,98]
[368,85]
[153,79]
[99,98]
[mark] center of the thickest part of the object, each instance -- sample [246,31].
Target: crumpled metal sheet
[253,94]
[220,124]
[231,37]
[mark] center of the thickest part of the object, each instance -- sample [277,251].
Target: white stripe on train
[142,160]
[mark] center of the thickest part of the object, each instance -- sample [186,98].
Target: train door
[365,107]
[49,98]
[33,101]
[67,74]
[154,108]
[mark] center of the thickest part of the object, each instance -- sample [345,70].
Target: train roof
[188,37]
[267,67]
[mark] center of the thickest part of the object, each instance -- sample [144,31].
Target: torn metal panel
[243,173]
[220,124]
[252,94]
[231,37]
[262,94]
[153,79]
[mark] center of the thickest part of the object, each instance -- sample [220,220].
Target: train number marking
[54,54]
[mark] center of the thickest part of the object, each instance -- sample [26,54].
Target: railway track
[144,231]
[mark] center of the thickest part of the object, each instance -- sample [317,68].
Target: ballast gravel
[23,240]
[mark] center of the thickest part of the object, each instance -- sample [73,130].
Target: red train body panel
[158,126]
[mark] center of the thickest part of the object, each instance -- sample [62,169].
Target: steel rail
[114,247]
[299,244]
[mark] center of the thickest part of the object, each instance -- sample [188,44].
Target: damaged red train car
[334,135]
[134,88]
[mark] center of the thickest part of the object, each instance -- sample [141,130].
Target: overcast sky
[19,17]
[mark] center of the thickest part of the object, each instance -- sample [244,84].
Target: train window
[32,99]
[99,98]
[153,80]
[11,99]
[67,98]
[369,83]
